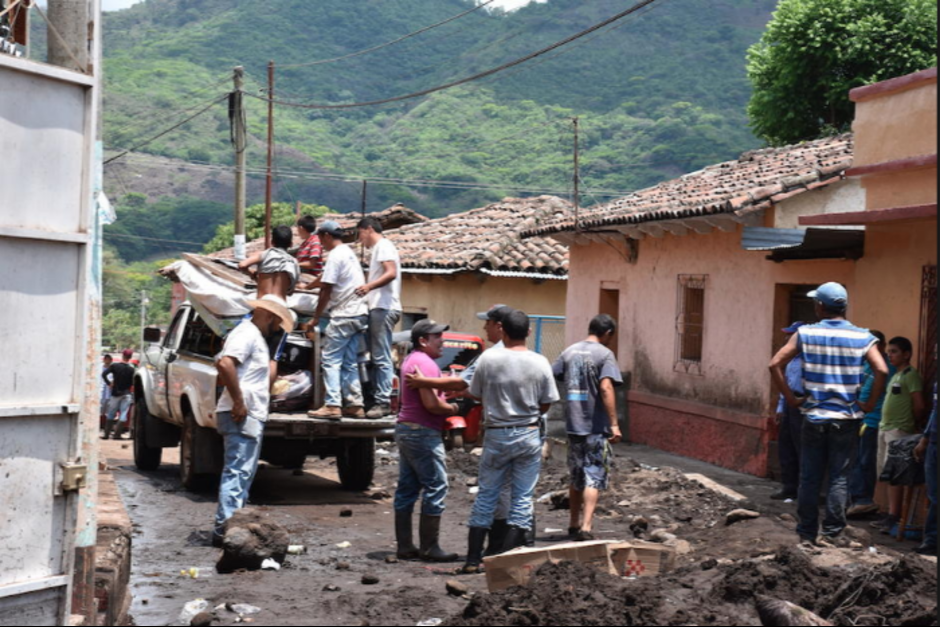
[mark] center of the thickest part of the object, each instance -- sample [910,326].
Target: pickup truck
[176,393]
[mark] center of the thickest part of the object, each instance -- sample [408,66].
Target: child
[903,410]
[278,271]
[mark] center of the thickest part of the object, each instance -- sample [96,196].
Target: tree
[281,213]
[815,51]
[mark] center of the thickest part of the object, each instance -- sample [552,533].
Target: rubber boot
[430,533]
[515,538]
[108,427]
[404,534]
[476,543]
[530,535]
[497,537]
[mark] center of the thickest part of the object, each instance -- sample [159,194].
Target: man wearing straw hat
[244,371]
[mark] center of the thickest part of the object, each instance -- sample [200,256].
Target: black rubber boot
[108,428]
[530,535]
[515,538]
[404,534]
[476,543]
[430,533]
[497,537]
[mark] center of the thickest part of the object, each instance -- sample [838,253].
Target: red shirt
[312,250]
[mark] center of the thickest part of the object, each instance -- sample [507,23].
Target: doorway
[610,305]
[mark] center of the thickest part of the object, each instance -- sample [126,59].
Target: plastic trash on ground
[193,609]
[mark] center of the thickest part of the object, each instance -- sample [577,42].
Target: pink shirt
[412,409]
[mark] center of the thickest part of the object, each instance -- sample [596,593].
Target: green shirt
[898,412]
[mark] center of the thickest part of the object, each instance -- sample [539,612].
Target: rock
[640,526]
[251,538]
[710,564]
[370,580]
[740,515]
[343,566]
[859,536]
[346,513]
[662,536]
[682,547]
[202,620]
[473,482]
[561,500]
[380,495]
[391,559]
[457,589]
[331,588]
[788,518]
[775,612]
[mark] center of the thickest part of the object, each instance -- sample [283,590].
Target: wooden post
[241,162]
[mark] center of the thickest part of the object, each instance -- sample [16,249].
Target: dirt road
[172,536]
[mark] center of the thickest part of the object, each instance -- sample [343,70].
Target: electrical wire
[390,43]
[152,239]
[167,131]
[159,121]
[639,6]
[10,8]
[183,97]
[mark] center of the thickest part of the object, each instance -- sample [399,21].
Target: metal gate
[548,336]
[928,325]
[48,335]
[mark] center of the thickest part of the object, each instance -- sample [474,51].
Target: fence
[548,336]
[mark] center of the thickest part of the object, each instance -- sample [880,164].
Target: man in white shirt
[383,292]
[349,318]
[245,373]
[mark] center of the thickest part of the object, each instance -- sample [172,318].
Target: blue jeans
[513,456]
[119,406]
[829,446]
[865,474]
[930,531]
[790,443]
[422,467]
[341,361]
[242,442]
[382,323]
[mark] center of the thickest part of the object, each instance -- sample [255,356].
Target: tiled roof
[392,218]
[487,240]
[755,181]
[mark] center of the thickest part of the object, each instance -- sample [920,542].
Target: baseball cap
[832,295]
[425,328]
[331,227]
[127,354]
[496,313]
[793,328]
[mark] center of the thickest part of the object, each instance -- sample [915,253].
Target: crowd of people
[849,395]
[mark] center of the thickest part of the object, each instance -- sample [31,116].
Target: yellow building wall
[456,302]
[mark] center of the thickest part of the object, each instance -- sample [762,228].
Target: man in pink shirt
[423,463]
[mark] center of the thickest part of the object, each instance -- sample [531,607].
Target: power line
[475,77]
[151,122]
[152,239]
[390,43]
[167,131]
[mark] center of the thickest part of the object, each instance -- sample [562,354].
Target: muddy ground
[721,569]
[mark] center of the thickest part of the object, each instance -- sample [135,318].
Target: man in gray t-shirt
[589,372]
[516,387]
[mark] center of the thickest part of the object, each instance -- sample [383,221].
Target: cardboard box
[634,559]
[642,559]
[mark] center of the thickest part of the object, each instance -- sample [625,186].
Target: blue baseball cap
[331,227]
[793,328]
[832,295]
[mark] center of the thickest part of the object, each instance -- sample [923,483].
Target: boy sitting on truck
[278,271]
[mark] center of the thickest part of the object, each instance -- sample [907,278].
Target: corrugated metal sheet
[763,238]
[793,244]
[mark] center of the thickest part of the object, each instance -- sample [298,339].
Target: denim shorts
[589,461]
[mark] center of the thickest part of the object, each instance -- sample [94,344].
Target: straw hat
[278,307]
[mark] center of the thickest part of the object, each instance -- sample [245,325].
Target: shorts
[589,460]
[885,438]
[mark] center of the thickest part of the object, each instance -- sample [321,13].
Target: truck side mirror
[152,335]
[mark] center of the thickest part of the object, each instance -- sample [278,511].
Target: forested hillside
[660,93]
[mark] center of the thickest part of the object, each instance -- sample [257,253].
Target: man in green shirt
[903,410]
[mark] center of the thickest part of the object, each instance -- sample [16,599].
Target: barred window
[690,323]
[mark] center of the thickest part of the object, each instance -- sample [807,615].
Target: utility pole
[577,174]
[144,301]
[269,183]
[239,118]
[68,43]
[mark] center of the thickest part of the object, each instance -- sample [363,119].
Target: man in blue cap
[834,355]
[790,421]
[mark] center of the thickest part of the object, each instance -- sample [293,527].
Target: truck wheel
[356,464]
[188,450]
[145,458]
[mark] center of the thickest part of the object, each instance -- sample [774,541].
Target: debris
[380,495]
[344,545]
[457,589]
[270,564]
[716,487]
[788,518]
[203,619]
[296,549]
[344,566]
[709,564]
[243,609]
[192,609]
[740,515]
[662,536]
[477,452]
[346,513]
[331,588]
[473,482]
[475,490]
[431,622]
[774,612]
[551,531]
[192,573]
[250,539]
[391,559]
[561,500]
[370,580]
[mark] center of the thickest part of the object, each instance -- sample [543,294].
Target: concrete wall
[457,300]
[843,197]
[896,124]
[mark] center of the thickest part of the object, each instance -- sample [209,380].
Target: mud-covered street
[721,570]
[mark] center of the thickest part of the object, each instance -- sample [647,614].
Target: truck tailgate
[302,427]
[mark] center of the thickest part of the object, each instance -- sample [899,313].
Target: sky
[114,5]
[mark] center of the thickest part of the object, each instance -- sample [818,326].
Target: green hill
[659,94]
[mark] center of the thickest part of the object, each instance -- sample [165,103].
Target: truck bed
[301,427]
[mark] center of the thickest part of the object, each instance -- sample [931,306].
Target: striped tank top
[834,364]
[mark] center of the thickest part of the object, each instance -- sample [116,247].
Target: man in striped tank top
[834,353]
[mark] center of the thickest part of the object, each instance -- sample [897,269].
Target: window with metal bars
[690,323]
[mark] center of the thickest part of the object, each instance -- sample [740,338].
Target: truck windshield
[459,354]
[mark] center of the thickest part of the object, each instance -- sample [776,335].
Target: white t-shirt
[344,272]
[247,346]
[388,297]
